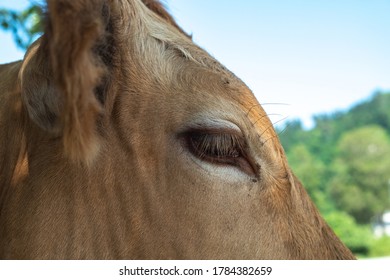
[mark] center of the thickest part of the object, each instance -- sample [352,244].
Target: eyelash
[221,147]
[216,147]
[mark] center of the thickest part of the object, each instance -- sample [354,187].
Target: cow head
[142,145]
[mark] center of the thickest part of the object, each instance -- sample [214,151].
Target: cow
[122,139]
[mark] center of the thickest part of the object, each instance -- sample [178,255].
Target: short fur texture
[94,164]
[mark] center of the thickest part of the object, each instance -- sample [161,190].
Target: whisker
[266,116]
[250,109]
[271,126]
[265,142]
[284,129]
[283,119]
[278,133]
[272,137]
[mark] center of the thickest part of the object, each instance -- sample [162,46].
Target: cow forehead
[163,53]
[156,43]
[161,56]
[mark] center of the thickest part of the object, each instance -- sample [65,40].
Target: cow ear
[61,73]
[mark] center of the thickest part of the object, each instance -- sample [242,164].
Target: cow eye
[220,148]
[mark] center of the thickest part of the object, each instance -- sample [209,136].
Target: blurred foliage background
[25,25]
[343,161]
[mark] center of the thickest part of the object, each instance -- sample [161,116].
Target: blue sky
[316,56]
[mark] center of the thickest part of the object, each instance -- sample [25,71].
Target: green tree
[357,238]
[362,173]
[380,247]
[312,173]
[25,25]
[322,139]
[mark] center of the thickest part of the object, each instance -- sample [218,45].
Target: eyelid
[218,126]
[244,162]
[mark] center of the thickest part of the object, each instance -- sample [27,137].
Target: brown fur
[93,164]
